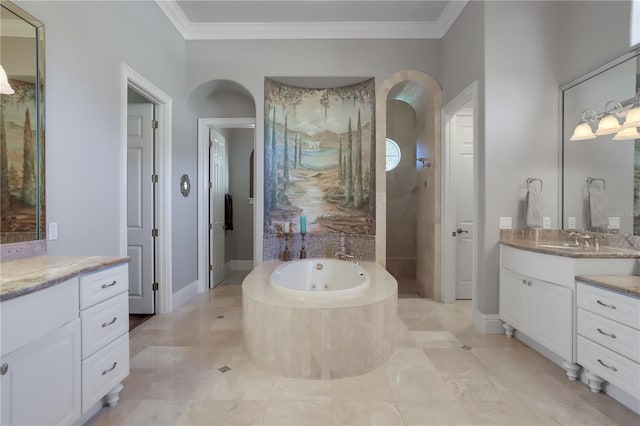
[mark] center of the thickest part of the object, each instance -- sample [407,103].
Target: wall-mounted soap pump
[425,162]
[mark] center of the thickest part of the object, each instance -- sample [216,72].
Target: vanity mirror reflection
[601,173]
[21,125]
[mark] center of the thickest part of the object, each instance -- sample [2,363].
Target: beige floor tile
[228,413]
[169,385]
[454,359]
[154,412]
[286,389]
[368,387]
[501,413]
[362,413]
[247,383]
[477,386]
[409,358]
[109,416]
[431,324]
[541,388]
[436,339]
[412,384]
[423,413]
[511,362]
[469,336]
[232,320]
[298,413]
[569,413]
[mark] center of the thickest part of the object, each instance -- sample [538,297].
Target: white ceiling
[311,19]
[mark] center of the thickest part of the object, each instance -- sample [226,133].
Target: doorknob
[461,231]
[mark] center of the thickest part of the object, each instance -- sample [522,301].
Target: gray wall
[240,240]
[86,42]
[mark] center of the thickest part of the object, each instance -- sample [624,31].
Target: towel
[228,212]
[534,208]
[598,208]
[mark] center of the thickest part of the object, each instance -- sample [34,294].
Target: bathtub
[320,278]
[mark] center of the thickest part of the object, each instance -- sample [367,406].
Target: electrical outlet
[614,222]
[506,222]
[571,222]
[53,231]
[546,222]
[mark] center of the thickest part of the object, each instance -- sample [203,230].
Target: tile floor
[431,380]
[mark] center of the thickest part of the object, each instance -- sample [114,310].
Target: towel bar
[530,180]
[590,180]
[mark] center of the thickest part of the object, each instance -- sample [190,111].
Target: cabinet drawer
[32,316]
[101,285]
[614,368]
[103,323]
[610,334]
[103,370]
[620,308]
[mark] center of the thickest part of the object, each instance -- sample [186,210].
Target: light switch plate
[546,222]
[614,222]
[571,222]
[506,222]
[53,231]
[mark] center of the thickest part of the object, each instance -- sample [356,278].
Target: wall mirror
[22,126]
[601,174]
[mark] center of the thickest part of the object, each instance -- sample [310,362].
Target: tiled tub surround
[308,338]
[321,245]
[23,276]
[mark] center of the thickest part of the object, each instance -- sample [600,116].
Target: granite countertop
[24,276]
[570,251]
[627,284]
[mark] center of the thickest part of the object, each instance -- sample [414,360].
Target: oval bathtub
[320,278]
[300,332]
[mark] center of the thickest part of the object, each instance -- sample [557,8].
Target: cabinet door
[514,307]
[552,314]
[41,383]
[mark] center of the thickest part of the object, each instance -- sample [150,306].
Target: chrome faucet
[342,251]
[585,238]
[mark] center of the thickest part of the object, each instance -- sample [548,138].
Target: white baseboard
[487,323]
[239,265]
[181,296]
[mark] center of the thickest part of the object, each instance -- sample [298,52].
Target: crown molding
[310,30]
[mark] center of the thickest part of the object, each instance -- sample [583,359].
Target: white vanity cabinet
[40,361]
[609,338]
[537,293]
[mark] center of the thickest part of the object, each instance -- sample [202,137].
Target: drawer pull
[114,366]
[109,285]
[613,336]
[4,369]
[105,324]
[610,367]
[605,305]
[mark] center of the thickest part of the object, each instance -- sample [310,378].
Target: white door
[217,188]
[462,186]
[140,208]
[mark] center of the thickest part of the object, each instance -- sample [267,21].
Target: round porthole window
[393,155]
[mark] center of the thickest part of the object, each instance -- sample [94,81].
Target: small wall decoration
[320,157]
[185,185]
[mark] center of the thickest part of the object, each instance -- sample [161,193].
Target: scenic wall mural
[320,157]
[19,168]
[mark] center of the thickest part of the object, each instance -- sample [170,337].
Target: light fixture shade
[5,87]
[633,118]
[582,132]
[627,134]
[608,125]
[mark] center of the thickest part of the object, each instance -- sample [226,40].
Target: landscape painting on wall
[319,156]
[19,169]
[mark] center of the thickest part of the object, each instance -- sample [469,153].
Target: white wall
[86,42]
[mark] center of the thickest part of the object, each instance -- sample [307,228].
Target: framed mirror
[21,126]
[601,173]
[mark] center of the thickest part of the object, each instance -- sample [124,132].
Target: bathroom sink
[562,246]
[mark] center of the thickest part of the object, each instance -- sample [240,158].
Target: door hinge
[210,226]
[154,124]
[154,232]
[210,143]
[211,267]
[210,185]
[154,178]
[155,287]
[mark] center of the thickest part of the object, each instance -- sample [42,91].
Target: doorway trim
[468,96]
[129,78]
[203,171]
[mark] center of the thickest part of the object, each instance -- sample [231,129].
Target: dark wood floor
[137,319]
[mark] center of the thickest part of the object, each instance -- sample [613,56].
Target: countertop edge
[102,263]
[602,283]
[531,246]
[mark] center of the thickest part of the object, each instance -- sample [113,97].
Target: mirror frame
[40,232]
[599,70]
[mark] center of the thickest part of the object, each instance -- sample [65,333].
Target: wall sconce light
[609,121]
[5,87]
